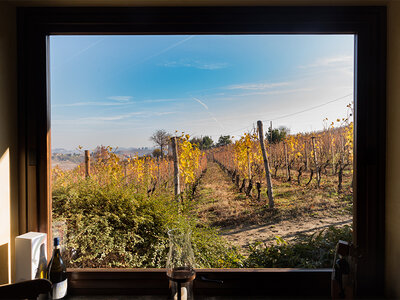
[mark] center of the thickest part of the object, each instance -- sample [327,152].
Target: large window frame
[368,24]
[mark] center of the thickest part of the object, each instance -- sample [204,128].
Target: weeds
[315,251]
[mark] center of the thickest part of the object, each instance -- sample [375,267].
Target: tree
[161,139]
[224,140]
[196,141]
[207,142]
[156,153]
[203,143]
[277,135]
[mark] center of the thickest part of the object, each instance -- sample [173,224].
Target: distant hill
[123,151]
[69,159]
[66,159]
[134,151]
[64,151]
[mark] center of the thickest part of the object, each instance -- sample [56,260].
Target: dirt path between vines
[243,220]
[288,230]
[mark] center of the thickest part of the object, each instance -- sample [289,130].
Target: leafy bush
[316,251]
[110,226]
[113,221]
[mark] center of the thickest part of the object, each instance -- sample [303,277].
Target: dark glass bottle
[57,273]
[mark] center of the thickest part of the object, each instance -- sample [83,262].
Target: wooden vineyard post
[286,162]
[250,186]
[125,171]
[158,169]
[305,153]
[169,172]
[266,166]
[147,173]
[248,163]
[87,163]
[270,132]
[315,157]
[333,158]
[176,167]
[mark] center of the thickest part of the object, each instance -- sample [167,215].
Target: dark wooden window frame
[368,24]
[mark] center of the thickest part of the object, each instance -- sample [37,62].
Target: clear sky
[118,90]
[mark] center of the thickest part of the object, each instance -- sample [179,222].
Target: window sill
[237,282]
[163,297]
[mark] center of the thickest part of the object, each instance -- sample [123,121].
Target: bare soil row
[243,220]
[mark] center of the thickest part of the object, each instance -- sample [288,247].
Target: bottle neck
[56,249]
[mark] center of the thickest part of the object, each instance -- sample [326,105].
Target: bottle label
[59,290]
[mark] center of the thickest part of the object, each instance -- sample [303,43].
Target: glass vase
[180,265]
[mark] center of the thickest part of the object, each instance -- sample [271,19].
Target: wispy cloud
[115,101]
[201,102]
[156,100]
[330,61]
[112,118]
[90,103]
[277,92]
[164,113]
[256,86]
[225,99]
[187,63]
[88,120]
[120,98]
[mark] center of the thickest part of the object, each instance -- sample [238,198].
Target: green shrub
[113,224]
[316,251]
[110,226]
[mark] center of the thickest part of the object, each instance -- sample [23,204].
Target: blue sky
[118,90]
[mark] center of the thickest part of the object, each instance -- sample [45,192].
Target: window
[131,93]
[366,23]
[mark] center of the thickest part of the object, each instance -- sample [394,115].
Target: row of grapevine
[146,174]
[324,153]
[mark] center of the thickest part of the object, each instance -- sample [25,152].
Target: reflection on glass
[180,264]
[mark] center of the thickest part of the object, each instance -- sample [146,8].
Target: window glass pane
[118,105]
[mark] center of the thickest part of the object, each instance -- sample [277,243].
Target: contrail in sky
[206,107]
[169,48]
[154,55]
[202,103]
[80,52]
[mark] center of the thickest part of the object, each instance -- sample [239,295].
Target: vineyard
[326,153]
[116,210]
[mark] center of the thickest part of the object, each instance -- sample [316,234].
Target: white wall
[8,141]
[5,228]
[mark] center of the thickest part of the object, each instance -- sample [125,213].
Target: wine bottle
[57,273]
[42,267]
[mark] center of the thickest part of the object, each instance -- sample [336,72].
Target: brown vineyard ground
[299,209]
